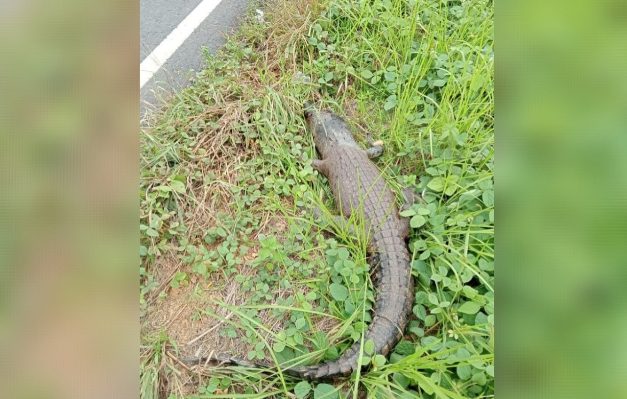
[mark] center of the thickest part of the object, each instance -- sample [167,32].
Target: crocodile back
[358,185]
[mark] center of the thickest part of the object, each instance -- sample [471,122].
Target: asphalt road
[158,19]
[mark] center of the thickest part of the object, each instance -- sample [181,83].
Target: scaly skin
[357,185]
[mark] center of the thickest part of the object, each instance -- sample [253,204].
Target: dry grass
[289,22]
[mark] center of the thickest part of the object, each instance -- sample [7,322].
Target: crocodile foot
[376,150]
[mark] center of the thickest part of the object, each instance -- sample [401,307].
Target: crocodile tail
[216,359]
[379,331]
[221,359]
[382,331]
[318,371]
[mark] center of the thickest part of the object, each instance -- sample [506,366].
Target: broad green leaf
[369,347]
[469,308]
[420,312]
[200,268]
[156,222]
[389,76]
[407,213]
[338,291]
[378,360]
[338,265]
[366,74]
[390,102]
[152,232]
[325,391]
[417,221]
[401,380]
[462,354]
[423,211]
[166,189]
[302,389]
[349,307]
[177,186]
[479,378]
[436,184]
[488,198]
[212,385]
[300,323]
[278,346]
[388,105]
[481,318]
[298,338]
[450,189]
[477,83]
[469,292]
[405,348]
[485,265]
[463,371]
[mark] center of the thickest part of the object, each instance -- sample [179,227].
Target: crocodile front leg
[321,166]
[376,150]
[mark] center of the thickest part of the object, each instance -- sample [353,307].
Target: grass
[233,261]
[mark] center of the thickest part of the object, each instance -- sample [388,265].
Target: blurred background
[561,178]
[69,118]
[69,106]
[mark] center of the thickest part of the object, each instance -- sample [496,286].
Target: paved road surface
[159,18]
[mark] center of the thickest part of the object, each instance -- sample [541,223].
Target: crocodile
[358,185]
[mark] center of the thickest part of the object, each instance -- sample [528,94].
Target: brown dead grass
[181,313]
[220,150]
[289,23]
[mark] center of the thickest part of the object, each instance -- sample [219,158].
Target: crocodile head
[329,130]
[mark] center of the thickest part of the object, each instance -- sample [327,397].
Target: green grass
[227,181]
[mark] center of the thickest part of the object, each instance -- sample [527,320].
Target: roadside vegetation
[232,260]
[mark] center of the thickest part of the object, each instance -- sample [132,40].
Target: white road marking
[160,55]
